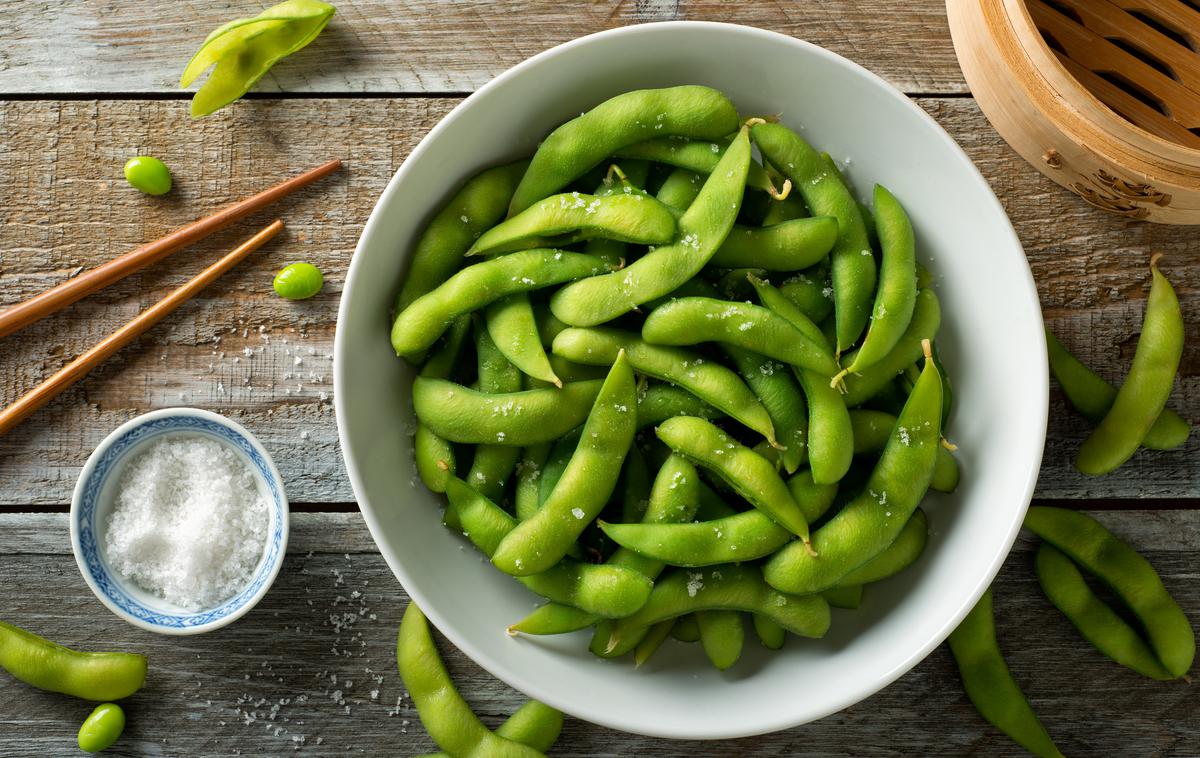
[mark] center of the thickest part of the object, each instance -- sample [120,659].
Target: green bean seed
[540,541]
[148,174]
[298,281]
[420,324]
[722,635]
[51,667]
[1127,573]
[899,555]
[787,246]
[1065,586]
[927,317]
[102,728]
[709,381]
[1089,394]
[1144,393]
[778,392]
[990,685]
[874,519]
[460,414]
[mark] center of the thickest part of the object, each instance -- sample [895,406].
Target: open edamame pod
[1097,551]
[873,520]
[461,414]
[583,142]
[990,685]
[55,668]
[1143,395]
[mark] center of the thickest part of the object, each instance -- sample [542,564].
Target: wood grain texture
[430,46]
[240,350]
[296,675]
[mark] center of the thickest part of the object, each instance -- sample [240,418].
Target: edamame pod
[55,668]
[534,724]
[709,381]
[434,456]
[526,499]
[659,402]
[701,230]
[511,323]
[1092,396]
[751,476]
[927,317]
[810,291]
[692,320]
[679,189]
[474,209]
[446,716]
[540,541]
[899,555]
[583,142]
[872,429]
[633,218]
[786,209]
[769,633]
[853,264]
[693,156]
[419,325]
[1127,573]
[787,246]
[730,588]
[870,522]
[848,596]
[830,434]
[1144,393]
[460,414]
[990,685]
[493,464]
[1065,586]
[778,392]
[656,635]
[743,536]
[722,635]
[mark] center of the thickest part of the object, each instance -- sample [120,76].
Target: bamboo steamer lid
[1102,96]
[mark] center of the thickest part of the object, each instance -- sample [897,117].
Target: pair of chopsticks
[56,298]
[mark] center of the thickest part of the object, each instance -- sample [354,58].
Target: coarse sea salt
[189,522]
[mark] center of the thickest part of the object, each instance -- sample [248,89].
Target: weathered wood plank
[272,683]
[66,206]
[427,46]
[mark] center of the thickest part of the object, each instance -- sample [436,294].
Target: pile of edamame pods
[702,387]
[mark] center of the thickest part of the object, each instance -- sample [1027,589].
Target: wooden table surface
[311,670]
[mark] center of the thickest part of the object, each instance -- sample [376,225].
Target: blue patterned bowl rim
[85,531]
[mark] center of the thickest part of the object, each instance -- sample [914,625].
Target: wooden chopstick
[43,304]
[76,369]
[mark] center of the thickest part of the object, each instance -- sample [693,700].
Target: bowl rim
[274,555]
[528,685]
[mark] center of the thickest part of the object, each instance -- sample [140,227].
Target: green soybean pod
[526,499]
[897,294]
[874,519]
[534,724]
[744,536]
[419,325]
[635,485]
[811,291]
[990,685]
[102,728]
[629,182]
[686,629]
[471,211]
[540,541]
[1144,393]
[747,472]
[772,382]
[708,380]
[1092,396]
[493,464]
[55,668]
[656,635]
[786,246]
[927,317]
[583,142]
[848,596]
[769,633]
[659,402]
[830,434]
[1065,586]
[446,716]
[722,635]
[693,156]
[790,207]
[902,553]
[700,231]
[434,456]
[1097,551]
[511,323]
[692,320]
[853,264]
[680,189]
[460,414]
[556,463]
[553,618]
[872,429]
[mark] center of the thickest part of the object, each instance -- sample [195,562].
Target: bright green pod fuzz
[298,281]
[148,174]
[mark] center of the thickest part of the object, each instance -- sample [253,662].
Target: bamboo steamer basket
[1102,96]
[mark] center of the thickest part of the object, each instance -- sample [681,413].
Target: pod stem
[780,194]
[927,349]
[948,445]
[615,169]
[837,383]
[442,464]
[808,548]
[1154,260]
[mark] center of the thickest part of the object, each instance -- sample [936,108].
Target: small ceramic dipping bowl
[95,497]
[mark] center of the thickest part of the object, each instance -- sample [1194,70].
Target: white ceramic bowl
[991,340]
[93,501]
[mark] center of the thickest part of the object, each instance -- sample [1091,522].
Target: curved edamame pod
[751,476]
[709,381]
[461,414]
[769,633]
[701,230]
[722,635]
[830,434]
[434,456]
[538,542]
[656,635]
[927,317]
[897,293]
[679,189]
[632,217]
[1065,586]
[493,464]
[990,685]
[1092,396]
[811,291]
[446,716]
[730,588]
[872,430]
[607,591]
[1144,393]
[692,320]
[1097,551]
[556,463]
[511,323]
[743,536]
[777,390]
[419,325]
[870,522]
[583,142]
[786,246]
[474,209]
[693,156]
[534,724]
[853,264]
[659,402]
[526,499]
[899,555]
